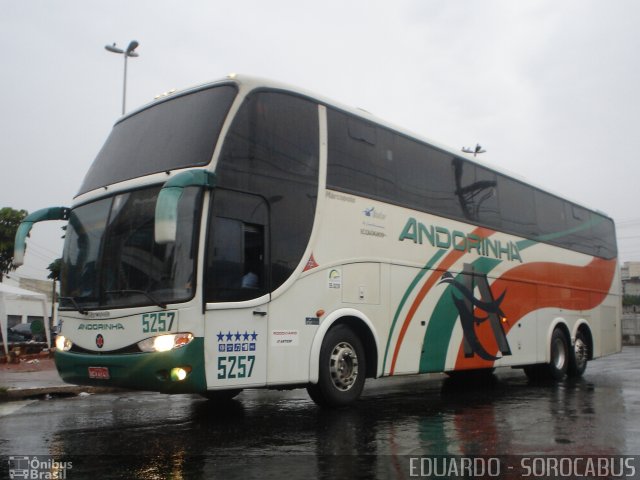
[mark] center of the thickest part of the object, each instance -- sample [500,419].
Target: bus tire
[342,369]
[559,363]
[579,356]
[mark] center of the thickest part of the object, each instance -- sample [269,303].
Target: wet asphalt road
[268,434]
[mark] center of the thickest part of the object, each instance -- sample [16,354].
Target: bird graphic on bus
[469,305]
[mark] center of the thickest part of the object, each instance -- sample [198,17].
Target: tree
[54,269]
[9,221]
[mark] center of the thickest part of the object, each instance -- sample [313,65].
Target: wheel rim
[559,354]
[343,366]
[580,352]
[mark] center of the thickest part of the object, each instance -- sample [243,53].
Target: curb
[63,390]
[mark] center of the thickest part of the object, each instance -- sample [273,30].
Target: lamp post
[129,52]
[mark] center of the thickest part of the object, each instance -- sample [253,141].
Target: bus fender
[577,326]
[327,323]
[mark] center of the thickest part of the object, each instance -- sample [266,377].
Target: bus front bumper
[180,370]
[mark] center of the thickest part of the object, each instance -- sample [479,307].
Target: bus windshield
[111,260]
[176,133]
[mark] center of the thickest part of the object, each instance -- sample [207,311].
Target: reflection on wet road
[267,434]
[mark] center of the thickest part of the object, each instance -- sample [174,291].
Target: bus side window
[235,266]
[253,253]
[226,265]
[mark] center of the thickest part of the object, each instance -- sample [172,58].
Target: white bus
[244,234]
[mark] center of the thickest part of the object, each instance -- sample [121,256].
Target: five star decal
[237,342]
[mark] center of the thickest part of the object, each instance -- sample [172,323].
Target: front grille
[130,349]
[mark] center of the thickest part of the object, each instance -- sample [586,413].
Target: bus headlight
[164,343]
[63,343]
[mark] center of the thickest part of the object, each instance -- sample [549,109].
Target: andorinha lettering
[442,237]
[100,326]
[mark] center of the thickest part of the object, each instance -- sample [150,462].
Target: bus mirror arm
[166,216]
[54,213]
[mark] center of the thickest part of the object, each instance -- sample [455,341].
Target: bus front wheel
[342,369]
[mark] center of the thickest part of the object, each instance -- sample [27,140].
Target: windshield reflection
[112,261]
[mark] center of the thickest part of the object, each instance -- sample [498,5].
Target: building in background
[631,278]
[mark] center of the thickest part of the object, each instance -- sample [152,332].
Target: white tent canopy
[8,292]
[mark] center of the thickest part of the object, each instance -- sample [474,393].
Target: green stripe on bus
[139,371]
[593,221]
[405,297]
[438,334]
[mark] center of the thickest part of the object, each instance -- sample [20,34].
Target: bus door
[236,288]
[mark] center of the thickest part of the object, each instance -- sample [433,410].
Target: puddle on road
[8,408]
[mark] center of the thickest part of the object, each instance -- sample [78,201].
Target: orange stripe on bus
[539,285]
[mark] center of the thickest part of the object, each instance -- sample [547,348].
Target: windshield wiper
[150,296]
[75,304]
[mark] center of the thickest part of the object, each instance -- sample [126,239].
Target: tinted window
[272,151]
[112,260]
[352,154]
[486,198]
[237,263]
[550,215]
[369,160]
[412,174]
[578,229]
[180,132]
[603,233]
[588,232]
[375,162]
[516,207]
[476,190]
[440,182]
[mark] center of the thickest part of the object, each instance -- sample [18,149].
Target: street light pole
[129,52]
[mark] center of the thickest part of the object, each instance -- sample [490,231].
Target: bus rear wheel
[342,369]
[579,356]
[558,365]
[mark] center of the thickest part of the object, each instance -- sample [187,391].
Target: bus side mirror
[166,217]
[54,213]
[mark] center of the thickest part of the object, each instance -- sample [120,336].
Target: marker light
[165,343]
[63,344]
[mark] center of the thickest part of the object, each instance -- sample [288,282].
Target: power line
[37,254]
[42,248]
[628,223]
[29,271]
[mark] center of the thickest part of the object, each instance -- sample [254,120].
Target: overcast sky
[548,87]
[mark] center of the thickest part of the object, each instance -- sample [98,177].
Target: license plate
[100,373]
